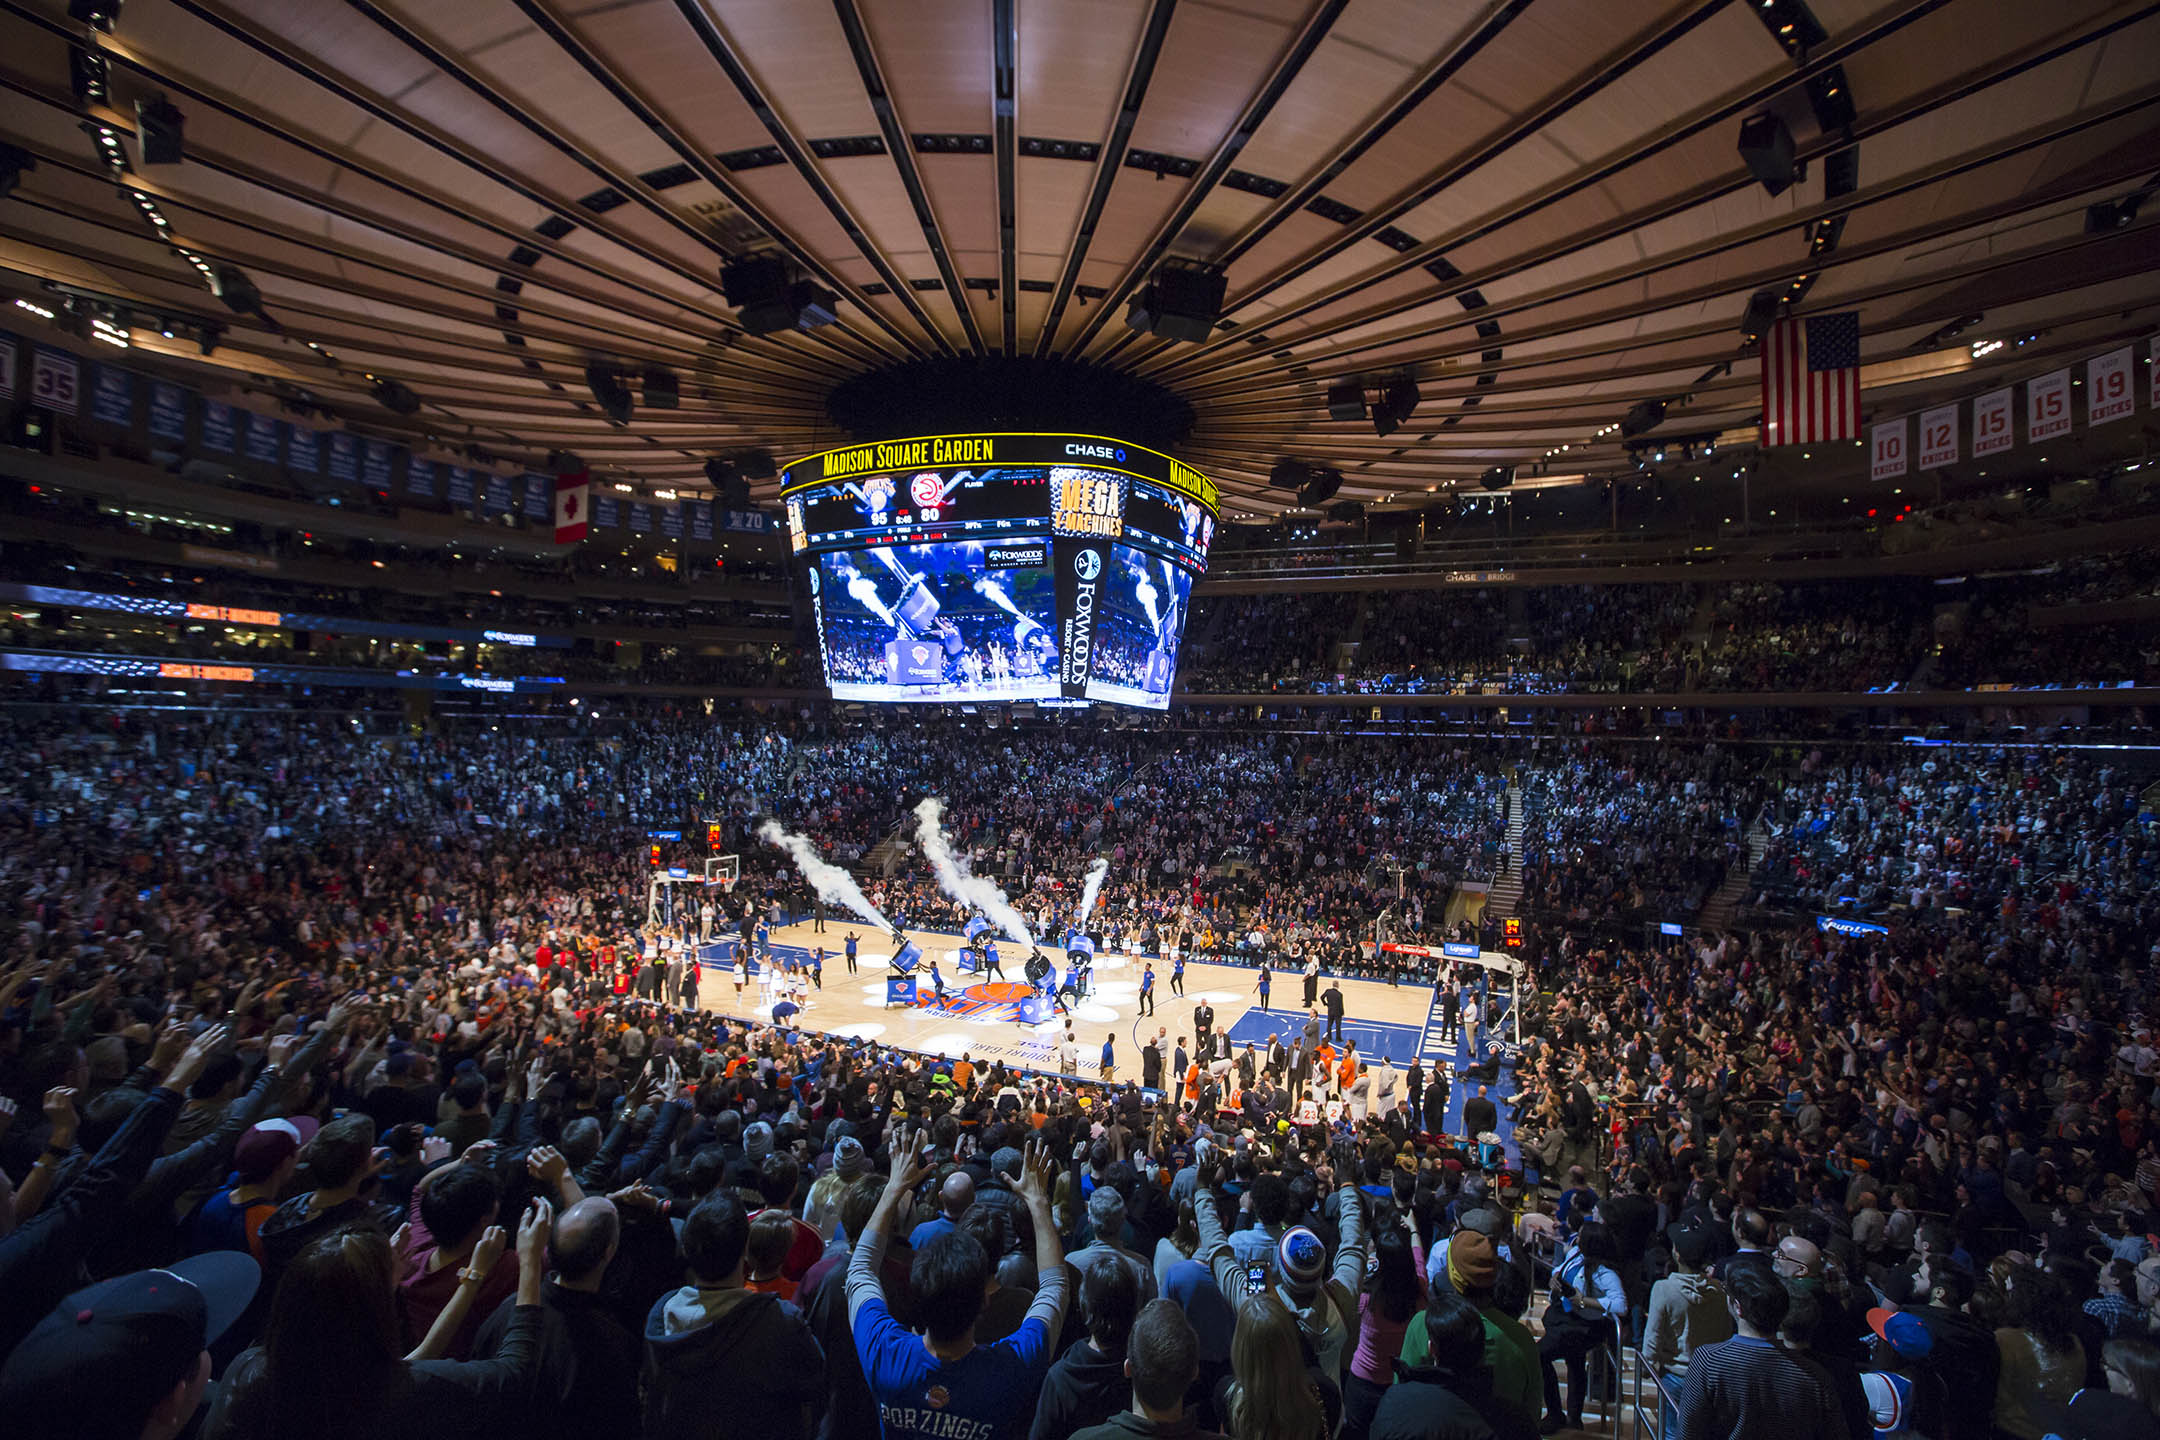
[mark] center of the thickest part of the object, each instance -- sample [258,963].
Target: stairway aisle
[1507,888]
[1717,911]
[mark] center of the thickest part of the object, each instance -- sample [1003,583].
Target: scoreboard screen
[1000,567]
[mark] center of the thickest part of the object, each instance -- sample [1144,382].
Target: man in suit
[1334,1000]
[1203,1019]
[1414,1092]
[1479,1114]
[1436,1099]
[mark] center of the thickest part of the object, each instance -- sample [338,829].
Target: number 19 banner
[2109,394]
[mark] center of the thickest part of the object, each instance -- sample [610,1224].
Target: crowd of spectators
[339,1101]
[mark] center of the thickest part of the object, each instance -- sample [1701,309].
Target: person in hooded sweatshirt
[720,1359]
[1687,1311]
[1090,1382]
[1450,1396]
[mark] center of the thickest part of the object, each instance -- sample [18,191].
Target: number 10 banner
[1938,437]
[1892,448]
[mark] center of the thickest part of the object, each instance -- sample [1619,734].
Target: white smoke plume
[953,877]
[829,880]
[1097,868]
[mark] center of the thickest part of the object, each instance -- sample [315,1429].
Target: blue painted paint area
[1376,1039]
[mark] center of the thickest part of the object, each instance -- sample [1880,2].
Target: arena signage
[1839,925]
[934,452]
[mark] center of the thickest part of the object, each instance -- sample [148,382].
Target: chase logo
[1113,453]
[1087,564]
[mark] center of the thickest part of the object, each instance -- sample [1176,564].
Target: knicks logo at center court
[998,1000]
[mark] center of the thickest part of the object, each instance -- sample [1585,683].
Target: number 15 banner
[2047,405]
[1938,437]
[2109,395]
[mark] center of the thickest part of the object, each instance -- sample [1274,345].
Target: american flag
[1811,380]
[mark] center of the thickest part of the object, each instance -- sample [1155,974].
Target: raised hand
[534,1232]
[1035,1173]
[493,1241]
[546,1165]
[60,1116]
[908,1171]
[196,1056]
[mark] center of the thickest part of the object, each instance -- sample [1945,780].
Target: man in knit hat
[1474,1272]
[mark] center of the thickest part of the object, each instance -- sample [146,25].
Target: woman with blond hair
[1273,1392]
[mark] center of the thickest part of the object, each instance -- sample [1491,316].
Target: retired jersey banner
[113,399]
[1891,448]
[1992,429]
[303,449]
[2109,392]
[1939,437]
[168,411]
[56,381]
[9,350]
[219,423]
[2047,405]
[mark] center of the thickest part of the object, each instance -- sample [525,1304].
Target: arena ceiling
[1535,208]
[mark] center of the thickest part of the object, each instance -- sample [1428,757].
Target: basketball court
[1391,1024]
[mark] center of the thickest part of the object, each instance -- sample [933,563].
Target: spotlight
[1643,417]
[728,484]
[1766,147]
[160,129]
[88,75]
[231,285]
[1398,398]
[768,299]
[663,390]
[608,390]
[2111,215]
[396,397]
[1181,301]
[1289,475]
[1831,99]
[1320,487]
[1346,400]
[13,162]
[758,465]
[97,14]
[1346,512]
[1499,477]
[1762,308]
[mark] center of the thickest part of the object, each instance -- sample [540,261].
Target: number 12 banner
[1938,437]
[2047,405]
[1892,448]
[2109,395]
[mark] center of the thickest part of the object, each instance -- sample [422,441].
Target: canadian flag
[571,500]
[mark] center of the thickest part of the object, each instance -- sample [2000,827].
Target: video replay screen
[1000,567]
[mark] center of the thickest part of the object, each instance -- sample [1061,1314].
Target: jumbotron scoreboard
[1000,566]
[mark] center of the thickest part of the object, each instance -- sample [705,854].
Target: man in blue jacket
[722,1360]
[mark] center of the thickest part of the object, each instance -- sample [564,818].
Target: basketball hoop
[724,871]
